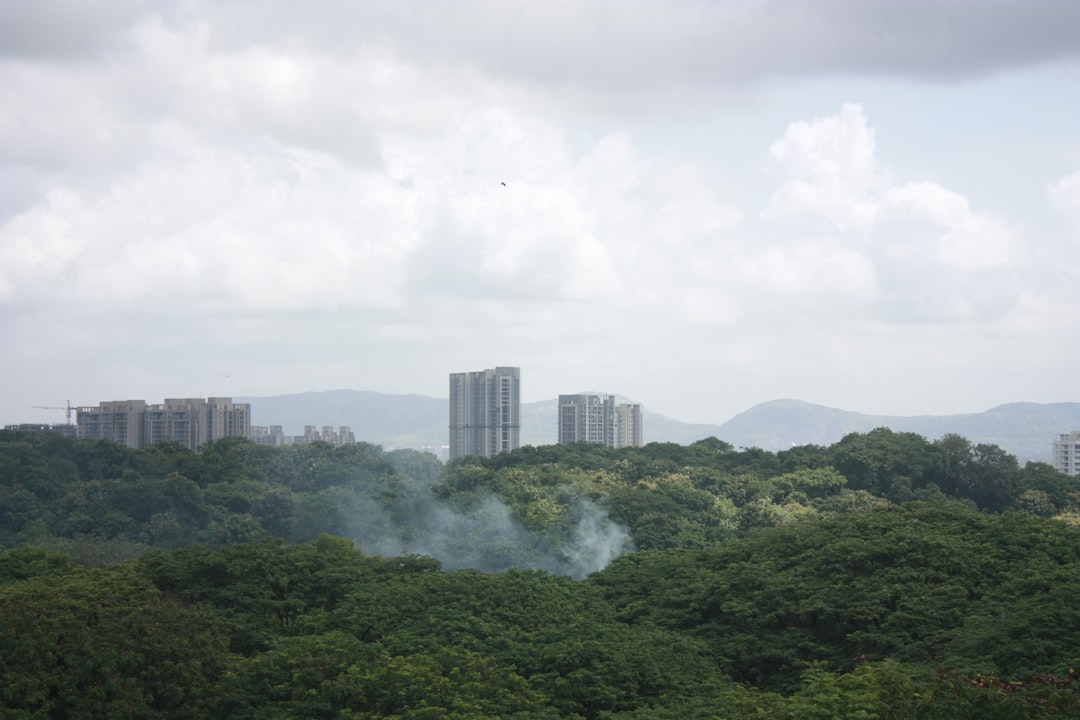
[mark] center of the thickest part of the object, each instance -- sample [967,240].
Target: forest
[884,576]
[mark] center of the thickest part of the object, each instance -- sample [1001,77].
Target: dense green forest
[885,576]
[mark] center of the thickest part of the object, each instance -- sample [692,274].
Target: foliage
[102,502]
[921,583]
[104,644]
[343,582]
[845,618]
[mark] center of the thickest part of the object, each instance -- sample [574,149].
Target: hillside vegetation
[885,576]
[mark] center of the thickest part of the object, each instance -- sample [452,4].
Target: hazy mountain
[1026,430]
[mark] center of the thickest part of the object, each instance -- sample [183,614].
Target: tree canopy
[886,576]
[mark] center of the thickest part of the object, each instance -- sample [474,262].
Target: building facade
[118,420]
[192,422]
[485,412]
[629,425]
[1067,453]
[595,418]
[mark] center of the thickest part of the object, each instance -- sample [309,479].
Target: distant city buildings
[1066,455]
[596,418]
[269,435]
[273,435]
[485,412]
[192,422]
[68,430]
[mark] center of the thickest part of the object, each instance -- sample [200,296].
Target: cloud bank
[369,196]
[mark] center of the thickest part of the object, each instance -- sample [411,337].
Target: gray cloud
[651,43]
[65,30]
[630,45]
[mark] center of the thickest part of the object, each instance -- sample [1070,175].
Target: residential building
[485,412]
[629,426]
[583,418]
[192,422]
[272,435]
[596,418]
[1067,453]
[118,420]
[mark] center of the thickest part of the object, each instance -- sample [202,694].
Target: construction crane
[69,408]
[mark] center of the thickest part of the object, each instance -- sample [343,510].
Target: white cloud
[917,248]
[829,170]
[939,225]
[211,229]
[1065,196]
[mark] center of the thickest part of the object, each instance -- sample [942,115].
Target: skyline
[864,205]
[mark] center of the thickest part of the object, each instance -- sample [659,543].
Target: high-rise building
[584,418]
[117,420]
[192,422]
[594,418]
[1067,453]
[485,412]
[629,428]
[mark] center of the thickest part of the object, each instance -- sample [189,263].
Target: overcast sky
[697,205]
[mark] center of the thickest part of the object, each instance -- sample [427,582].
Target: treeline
[569,509]
[106,502]
[920,611]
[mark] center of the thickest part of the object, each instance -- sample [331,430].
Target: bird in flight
[504,184]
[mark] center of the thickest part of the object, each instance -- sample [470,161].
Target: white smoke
[484,534]
[597,541]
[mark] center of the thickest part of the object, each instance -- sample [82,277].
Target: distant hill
[394,421]
[1026,430]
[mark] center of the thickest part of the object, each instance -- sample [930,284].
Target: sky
[700,206]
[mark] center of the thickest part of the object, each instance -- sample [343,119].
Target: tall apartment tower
[629,428]
[1067,453]
[594,418]
[585,418]
[485,412]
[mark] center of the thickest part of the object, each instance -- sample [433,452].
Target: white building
[629,426]
[485,412]
[1067,453]
[595,418]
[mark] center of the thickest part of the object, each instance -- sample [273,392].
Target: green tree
[980,472]
[105,644]
[1062,490]
[26,562]
[887,463]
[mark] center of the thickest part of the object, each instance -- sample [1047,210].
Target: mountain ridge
[1024,429]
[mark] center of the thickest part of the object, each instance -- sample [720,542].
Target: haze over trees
[884,576]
